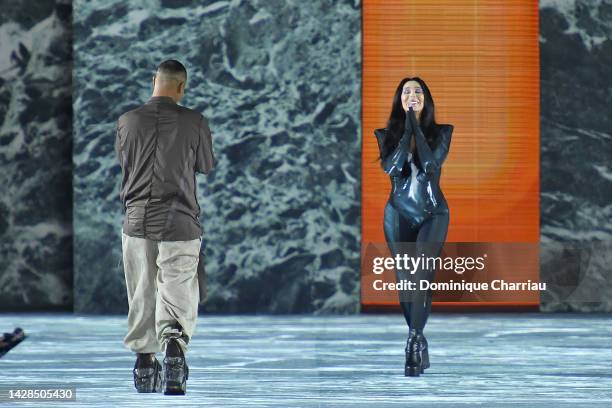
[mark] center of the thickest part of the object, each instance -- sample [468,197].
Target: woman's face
[412,95]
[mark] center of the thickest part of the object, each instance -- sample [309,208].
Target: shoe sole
[174,389]
[412,371]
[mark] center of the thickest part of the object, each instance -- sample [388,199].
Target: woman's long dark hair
[395,124]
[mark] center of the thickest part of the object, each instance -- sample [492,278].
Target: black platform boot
[413,367]
[10,340]
[147,373]
[424,349]
[176,371]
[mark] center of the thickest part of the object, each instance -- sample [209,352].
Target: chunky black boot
[176,371]
[147,373]
[424,348]
[413,356]
[10,340]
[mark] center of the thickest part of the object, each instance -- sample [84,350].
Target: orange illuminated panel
[480,61]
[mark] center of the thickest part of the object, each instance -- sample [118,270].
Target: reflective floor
[486,360]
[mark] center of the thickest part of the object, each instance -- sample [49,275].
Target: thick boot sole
[175,388]
[412,371]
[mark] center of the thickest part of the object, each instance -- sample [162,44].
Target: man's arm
[205,157]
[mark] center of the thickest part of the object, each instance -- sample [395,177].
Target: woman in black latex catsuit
[412,151]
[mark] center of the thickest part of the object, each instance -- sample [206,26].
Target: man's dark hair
[172,69]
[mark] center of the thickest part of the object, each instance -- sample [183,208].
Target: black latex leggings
[426,239]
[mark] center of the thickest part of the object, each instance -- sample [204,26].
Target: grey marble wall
[576,140]
[35,155]
[280,82]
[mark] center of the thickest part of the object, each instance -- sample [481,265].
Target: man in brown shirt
[160,147]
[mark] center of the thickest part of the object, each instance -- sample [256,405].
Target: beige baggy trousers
[162,288]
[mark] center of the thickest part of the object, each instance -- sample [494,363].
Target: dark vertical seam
[144,224]
[172,208]
[199,139]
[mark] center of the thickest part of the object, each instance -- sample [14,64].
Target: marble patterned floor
[478,360]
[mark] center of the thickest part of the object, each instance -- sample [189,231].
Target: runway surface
[477,360]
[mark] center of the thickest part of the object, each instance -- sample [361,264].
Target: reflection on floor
[488,360]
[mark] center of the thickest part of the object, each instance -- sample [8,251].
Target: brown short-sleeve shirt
[160,147]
